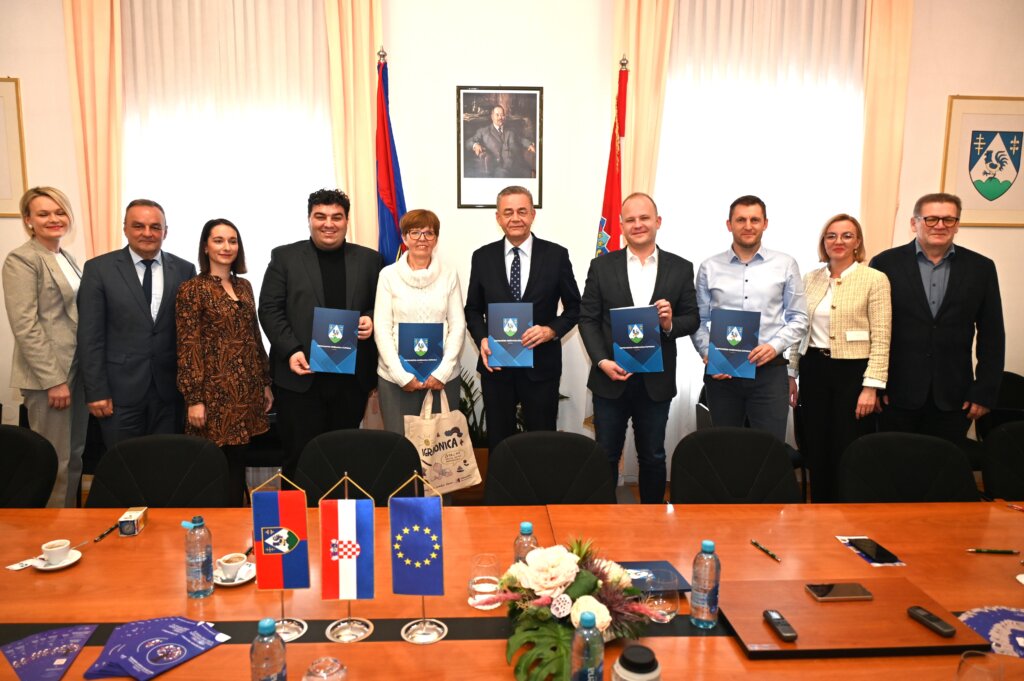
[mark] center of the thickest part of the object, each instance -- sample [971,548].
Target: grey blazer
[43,315]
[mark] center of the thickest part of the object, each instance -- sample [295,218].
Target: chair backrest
[1003,473]
[548,467]
[377,460]
[1009,406]
[732,466]
[161,471]
[28,465]
[898,467]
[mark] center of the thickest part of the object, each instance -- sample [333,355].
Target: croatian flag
[346,549]
[280,540]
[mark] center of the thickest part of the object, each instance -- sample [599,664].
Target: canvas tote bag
[442,440]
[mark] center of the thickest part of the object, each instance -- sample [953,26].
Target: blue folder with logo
[505,325]
[636,339]
[333,349]
[420,348]
[733,336]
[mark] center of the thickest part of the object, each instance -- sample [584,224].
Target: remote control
[931,621]
[783,628]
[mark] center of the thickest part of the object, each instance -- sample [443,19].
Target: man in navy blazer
[321,271]
[543,276]
[640,274]
[944,297]
[126,330]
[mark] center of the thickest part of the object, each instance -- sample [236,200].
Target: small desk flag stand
[271,510]
[347,629]
[422,631]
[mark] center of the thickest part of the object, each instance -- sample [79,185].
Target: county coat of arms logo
[994,161]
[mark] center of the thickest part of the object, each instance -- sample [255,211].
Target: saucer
[74,555]
[246,573]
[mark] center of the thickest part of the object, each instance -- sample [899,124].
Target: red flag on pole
[609,231]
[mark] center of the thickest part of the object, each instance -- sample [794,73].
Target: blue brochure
[505,325]
[636,339]
[420,348]
[733,336]
[333,350]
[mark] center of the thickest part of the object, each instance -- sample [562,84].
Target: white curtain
[227,116]
[764,97]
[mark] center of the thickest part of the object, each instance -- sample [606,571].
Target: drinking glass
[326,669]
[483,580]
[661,595]
[976,665]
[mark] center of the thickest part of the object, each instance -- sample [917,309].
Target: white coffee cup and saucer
[57,555]
[233,569]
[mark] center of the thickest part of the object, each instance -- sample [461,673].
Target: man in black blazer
[126,330]
[543,275]
[943,296]
[322,271]
[640,274]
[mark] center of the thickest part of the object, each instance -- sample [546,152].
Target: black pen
[1002,552]
[765,549]
[106,532]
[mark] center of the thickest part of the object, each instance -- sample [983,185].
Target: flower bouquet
[548,593]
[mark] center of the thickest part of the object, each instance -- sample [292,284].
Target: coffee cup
[56,552]
[230,565]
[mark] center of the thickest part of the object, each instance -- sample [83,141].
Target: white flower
[590,604]
[616,573]
[517,571]
[548,571]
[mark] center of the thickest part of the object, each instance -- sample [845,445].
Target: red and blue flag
[346,549]
[417,554]
[280,540]
[390,195]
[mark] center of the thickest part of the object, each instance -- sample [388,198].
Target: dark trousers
[829,389]
[513,387]
[927,420]
[152,416]
[762,400]
[649,419]
[333,402]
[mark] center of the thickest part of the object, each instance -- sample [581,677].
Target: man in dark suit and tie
[322,271]
[500,149]
[522,268]
[640,274]
[126,330]
[944,298]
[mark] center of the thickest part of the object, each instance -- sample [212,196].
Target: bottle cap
[526,527]
[587,619]
[197,521]
[707,546]
[266,627]
[638,658]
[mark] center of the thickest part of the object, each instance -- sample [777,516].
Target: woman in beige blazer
[844,359]
[40,283]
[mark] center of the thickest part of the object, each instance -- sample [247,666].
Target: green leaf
[547,657]
[585,584]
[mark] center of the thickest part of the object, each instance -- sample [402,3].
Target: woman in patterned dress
[223,370]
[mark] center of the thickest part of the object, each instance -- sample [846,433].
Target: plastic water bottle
[525,542]
[707,572]
[198,558]
[268,662]
[587,650]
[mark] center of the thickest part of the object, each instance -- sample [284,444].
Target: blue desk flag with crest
[417,554]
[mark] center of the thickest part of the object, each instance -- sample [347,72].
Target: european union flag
[417,556]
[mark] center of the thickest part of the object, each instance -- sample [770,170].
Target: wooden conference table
[124,579]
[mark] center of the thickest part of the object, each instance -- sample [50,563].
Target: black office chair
[377,460]
[1009,405]
[162,471]
[28,465]
[898,467]
[732,466]
[548,467]
[1003,473]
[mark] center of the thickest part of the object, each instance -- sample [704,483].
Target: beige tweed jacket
[861,319]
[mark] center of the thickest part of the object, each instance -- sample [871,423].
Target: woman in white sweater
[417,289]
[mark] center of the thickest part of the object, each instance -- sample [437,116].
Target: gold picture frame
[12,149]
[981,161]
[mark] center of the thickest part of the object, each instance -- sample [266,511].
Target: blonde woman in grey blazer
[40,283]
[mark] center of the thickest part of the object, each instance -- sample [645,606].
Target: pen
[761,547]
[1005,552]
[1015,507]
[106,532]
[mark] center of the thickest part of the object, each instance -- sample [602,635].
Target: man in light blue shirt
[751,277]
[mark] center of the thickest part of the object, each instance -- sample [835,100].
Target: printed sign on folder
[420,348]
[733,336]
[505,325]
[636,339]
[335,336]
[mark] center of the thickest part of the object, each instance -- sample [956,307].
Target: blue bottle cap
[526,527]
[197,521]
[707,546]
[587,619]
[266,627]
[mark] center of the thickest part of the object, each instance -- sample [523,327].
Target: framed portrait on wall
[12,149]
[982,159]
[500,142]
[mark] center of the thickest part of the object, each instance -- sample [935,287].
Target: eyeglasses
[845,236]
[932,220]
[422,236]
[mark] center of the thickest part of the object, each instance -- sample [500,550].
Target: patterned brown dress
[221,359]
